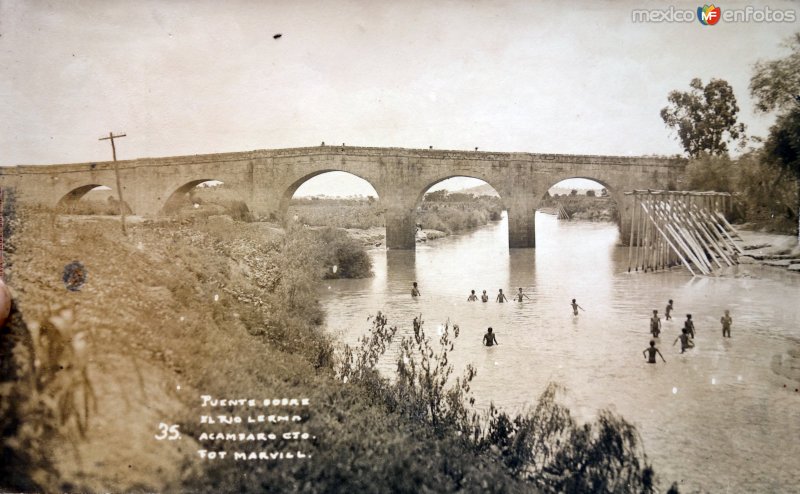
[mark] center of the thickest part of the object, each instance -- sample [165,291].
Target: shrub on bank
[342,256]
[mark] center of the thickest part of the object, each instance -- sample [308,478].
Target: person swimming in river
[688,325]
[414,290]
[520,295]
[686,341]
[726,321]
[650,353]
[668,310]
[472,297]
[655,324]
[501,297]
[484,297]
[489,338]
[575,307]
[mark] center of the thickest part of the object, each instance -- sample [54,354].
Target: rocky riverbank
[769,249]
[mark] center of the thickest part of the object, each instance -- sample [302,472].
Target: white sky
[193,77]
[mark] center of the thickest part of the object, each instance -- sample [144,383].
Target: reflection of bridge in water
[265,180]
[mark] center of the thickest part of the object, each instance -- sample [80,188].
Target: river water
[716,419]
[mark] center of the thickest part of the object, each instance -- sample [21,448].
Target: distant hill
[480,190]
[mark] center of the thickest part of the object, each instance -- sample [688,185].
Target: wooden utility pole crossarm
[111,137]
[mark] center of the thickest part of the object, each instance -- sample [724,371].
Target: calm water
[716,419]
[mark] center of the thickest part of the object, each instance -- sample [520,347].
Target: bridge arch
[230,200]
[288,193]
[614,193]
[431,184]
[424,208]
[69,201]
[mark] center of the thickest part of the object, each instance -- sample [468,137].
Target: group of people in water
[687,333]
[489,339]
[686,337]
[500,298]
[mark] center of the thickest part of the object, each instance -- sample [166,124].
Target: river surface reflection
[716,419]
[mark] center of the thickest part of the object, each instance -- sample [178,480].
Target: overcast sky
[194,77]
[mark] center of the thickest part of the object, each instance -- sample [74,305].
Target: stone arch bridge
[266,180]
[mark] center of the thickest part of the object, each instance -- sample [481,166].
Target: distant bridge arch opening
[582,198]
[332,198]
[456,204]
[206,196]
[94,199]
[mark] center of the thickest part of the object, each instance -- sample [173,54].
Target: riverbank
[769,249]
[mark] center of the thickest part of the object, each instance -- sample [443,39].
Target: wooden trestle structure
[688,228]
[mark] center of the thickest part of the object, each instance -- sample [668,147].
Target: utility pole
[111,137]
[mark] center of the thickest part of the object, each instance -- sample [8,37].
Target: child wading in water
[501,297]
[472,297]
[520,295]
[414,290]
[655,324]
[650,353]
[484,297]
[688,325]
[726,321]
[686,342]
[668,311]
[575,307]
[489,339]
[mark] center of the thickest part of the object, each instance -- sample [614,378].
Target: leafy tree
[782,148]
[704,117]
[776,83]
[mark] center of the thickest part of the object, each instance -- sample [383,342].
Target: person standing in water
[472,297]
[726,321]
[686,342]
[414,290]
[575,307]
[501,297]
[489,338]
[650,353]
[520,295]
[484,297]
[669,309]
[655,324]
[688,325]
